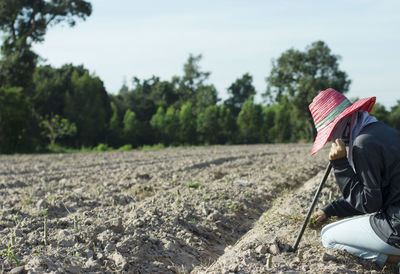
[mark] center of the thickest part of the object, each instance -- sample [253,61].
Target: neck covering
[362,120]
[349,128]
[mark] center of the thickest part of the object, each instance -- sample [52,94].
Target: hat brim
[323,135]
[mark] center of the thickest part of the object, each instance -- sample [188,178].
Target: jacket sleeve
[363,190]
[341,208]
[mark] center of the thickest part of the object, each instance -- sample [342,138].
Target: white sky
[126,38]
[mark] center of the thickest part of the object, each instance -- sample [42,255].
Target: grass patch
[125,147]
[61,149]
[192,184]
[151,147]
[10,255]
[102,147]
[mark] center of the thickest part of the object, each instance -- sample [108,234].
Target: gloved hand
[318,218]
[338,150]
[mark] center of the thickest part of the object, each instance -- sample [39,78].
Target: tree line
[41,106]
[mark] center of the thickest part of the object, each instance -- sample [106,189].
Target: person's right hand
[318,218]
[338,150]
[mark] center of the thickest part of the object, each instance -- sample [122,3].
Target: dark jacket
[375,187]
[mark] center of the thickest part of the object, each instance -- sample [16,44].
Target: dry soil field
[224,209]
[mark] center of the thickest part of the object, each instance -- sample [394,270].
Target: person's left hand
[338,150]
[317,219]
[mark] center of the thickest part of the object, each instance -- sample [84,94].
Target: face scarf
[349,128]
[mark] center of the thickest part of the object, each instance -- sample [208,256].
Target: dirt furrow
[266,247]
[150,211]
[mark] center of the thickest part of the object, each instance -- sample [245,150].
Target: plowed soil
[223,209]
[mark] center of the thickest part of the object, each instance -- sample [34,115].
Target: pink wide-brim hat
[328,108]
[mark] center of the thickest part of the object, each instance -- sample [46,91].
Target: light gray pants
[356,236]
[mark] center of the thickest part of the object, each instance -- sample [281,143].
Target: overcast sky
[126,38]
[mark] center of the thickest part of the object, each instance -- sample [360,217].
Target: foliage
[268,116]
[193,77]
[395,116]
[16,68]
[49,88]
[10,255]
[87,105]
[157,123]
[301,75]
[131,127]
[102,147]
[171,126]
[164,93]
[166,126]
[207,125]
[125,147]
[249,122]
[73,93]
[192,88]
[380,112]
[240,91]
[153,113]
[195,185]
[206,96]
[14,113]
[282,127]
[148,147]
[187,124]
[24,23]
[226,125]
[56,127]
[140,99]
[114,127]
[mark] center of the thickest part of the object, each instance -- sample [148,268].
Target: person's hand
[318,218]
[338,150]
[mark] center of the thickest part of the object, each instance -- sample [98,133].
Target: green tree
[23,23]
[206,96]
[26,22]
[164,94]
[157,124]
[87,105]
[131,128]
[207,125]
[14,117]
[395,116]
[268,116]
[191,81]
[249,122]
[380,112]
[301,75]
[187,122]
[49,88]
[166,126]
[171,126]
[55,127]
[193,77]
[226,125]
[239,92]
[144,98]
[114,127]
[16,68]
[282,130]
[53,86]
[140,99]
